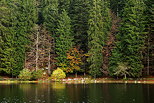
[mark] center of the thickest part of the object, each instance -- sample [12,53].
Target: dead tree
[40,51]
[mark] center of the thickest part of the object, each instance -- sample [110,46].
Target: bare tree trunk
[49,64]
[76,74]
[25,62]
[53,63]
[148,59]
[125,77]
[37,43]
[39,54]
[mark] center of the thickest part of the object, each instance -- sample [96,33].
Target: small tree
[75,60]
[25,74]
[37,74]
[122,70]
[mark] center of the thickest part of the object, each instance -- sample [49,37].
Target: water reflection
[76,93]
[58,86]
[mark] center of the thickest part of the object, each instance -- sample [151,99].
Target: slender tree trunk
[37,43]
[84,74]
[53,63]
[24,66]
[49,64]
[148,59]
[117,9]
[76,74]
[125,77]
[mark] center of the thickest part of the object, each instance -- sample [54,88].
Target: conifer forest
[113,38]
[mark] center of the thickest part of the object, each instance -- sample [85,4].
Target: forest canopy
[94,37]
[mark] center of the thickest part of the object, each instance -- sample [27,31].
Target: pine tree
[64,38]
[95,38]
[130,39]
[6,37]
[25,19]
[57,21]
[64,5]
[79,14]
[106,19]
[15,26]
[149,44]
[51,16]
[117,6]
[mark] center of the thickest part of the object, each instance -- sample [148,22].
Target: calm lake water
[76,93]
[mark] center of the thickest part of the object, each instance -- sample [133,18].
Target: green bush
[122,70]
[58,74]
[25,74]
[37,74]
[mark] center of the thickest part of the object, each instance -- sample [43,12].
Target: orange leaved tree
[75,60]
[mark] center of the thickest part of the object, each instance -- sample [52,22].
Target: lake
[76,93]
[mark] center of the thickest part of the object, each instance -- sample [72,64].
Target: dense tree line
[77,36]
[17,20]
[130,39]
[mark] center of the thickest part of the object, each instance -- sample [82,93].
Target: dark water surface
[76,93]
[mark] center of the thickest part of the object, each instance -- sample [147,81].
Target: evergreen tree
[64,38]
[50,16]
[117,6]
[149,43]
[79,14]
[6,37]
[130,39]
[95,38]
[106,19]
[57,21]
[64,5]
[20,19]
[25,19]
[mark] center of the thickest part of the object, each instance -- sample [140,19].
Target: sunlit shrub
[37,74]
[25,74]
[58,74]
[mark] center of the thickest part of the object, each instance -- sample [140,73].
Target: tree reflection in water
[76,93]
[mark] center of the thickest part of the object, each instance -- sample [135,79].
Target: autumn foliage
[74,57]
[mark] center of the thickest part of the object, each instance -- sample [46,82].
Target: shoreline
[107,80]
[82,81]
